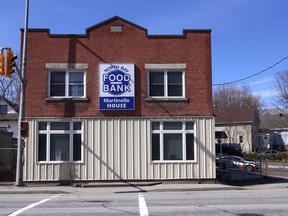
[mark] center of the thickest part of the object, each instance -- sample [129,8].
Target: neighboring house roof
[274,119]
[275,111]
[9,117]
[274,122]
[11,104]
[228,115]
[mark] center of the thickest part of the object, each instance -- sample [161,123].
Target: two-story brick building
[119,104]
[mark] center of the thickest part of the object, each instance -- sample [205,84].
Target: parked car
[270,153]
[241,163]
[224,163]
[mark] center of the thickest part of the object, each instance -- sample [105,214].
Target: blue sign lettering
[112,103]
[116,82]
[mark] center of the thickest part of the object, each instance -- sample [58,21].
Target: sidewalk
[275,165]
[9,188]
[145,186]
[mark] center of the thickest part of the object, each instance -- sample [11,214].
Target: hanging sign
[116,87]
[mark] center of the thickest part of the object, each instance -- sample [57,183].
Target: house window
[166,84]
[67,84]
[60,141]
[240,139]
[3,109]
[3,129]
[173,141]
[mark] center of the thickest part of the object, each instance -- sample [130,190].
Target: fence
[8,158]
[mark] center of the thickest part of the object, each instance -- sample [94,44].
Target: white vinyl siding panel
[120,149]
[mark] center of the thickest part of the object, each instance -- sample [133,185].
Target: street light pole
[19,173]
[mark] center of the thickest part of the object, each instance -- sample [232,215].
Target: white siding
[233,133]
[11,124]
[119,148]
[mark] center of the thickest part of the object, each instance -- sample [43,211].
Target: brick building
[118,104]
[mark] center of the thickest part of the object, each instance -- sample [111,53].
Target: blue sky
[248,36]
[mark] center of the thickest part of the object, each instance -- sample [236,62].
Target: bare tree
[230,95]
[278,117]
[281,89]
[10,87]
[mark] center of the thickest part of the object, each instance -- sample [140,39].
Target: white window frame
[50,132]
[166,72]
[183,131]
[66,67]
[166,68]
[67,84]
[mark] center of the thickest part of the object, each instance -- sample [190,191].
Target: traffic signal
[2,68]
[10,58]
[24,129]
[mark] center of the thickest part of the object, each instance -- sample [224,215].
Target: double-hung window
[166,81]
[173,141]
[166,84]
[60,141]
[67,83]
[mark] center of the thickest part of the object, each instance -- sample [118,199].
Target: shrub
[283,157]
[251,155]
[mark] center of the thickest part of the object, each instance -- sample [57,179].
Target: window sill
[166,99]
[76,100]
[172,161]
[60,162]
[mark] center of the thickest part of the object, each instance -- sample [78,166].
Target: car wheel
[249,168]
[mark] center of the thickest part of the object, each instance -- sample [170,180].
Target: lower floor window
[173,141]
[60,141]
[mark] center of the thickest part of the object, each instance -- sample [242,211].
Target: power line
[240,80]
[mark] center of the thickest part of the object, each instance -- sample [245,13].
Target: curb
[32,191]
[196,189]
[116,184]
[139,190]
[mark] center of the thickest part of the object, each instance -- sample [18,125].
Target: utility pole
[19,168]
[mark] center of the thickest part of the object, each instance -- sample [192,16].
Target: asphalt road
[256,200]
[253,200]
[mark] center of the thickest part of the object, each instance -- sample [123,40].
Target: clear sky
[248,36]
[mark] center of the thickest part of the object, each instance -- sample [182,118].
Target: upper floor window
[67,84]
[166,80]
[166,84]
[3,109]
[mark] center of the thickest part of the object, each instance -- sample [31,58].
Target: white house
[241,125]
[8,117]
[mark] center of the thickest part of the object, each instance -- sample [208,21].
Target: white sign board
[116,87]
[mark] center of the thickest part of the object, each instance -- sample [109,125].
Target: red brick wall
[132,45]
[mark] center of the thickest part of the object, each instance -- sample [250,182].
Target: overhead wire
[253,75]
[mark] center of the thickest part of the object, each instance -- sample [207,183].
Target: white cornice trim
[181,66]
